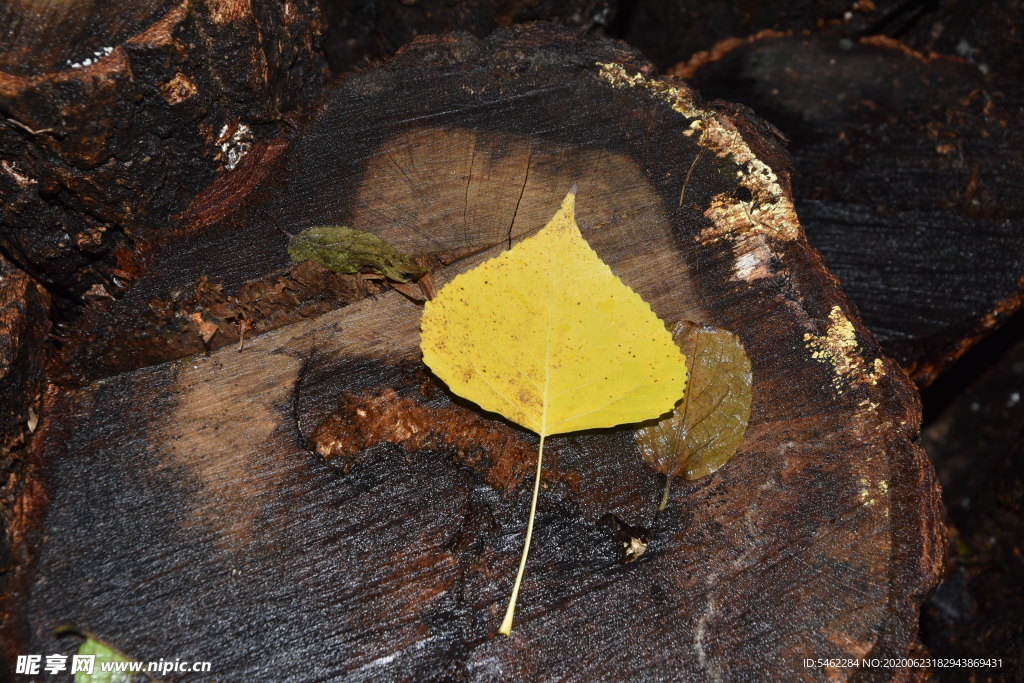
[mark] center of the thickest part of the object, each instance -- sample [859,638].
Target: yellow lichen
[770,210]
[877,372]
[869,406]
[870,491]
[839,348]
[865,490]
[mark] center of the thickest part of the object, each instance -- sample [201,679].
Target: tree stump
[907,179]
[190,510]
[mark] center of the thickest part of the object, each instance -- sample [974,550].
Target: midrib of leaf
[684,454]
[510,611]
[518,273]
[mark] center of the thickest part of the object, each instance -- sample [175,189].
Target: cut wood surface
[315,504]
[907,175]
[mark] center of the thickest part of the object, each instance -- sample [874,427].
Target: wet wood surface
[188,513]
[907,178]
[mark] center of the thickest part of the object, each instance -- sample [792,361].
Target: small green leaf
[103,653]
[707,425]
[347,250]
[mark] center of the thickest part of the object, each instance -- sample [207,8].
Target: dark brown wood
[114,115]
[24,325]
[359,31]
[975,442]
[671,31]
[987,34]
[191,510]
[908,175]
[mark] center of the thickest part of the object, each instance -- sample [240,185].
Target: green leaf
[103,653]
[707,425]
[347,250]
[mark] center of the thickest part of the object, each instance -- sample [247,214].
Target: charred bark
[114,116]
[908,180]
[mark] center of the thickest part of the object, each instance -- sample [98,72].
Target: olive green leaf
[124,668]
[347,250]
[103,653]
[707,425]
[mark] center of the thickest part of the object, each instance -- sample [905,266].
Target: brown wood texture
[114,115]
[24,326]
[189,513]
[908,171]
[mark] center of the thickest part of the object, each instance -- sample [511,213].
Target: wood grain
[910,177]
[190,514]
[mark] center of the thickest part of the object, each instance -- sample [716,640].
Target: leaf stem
[510,611]
[664,496]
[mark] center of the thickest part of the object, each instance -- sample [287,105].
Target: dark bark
[24,325]
[189,513]
[359,31]
[987,33]
[115,115]
[975,442]
[909,170]
[671,31]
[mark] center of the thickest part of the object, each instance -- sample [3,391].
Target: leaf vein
[499,394]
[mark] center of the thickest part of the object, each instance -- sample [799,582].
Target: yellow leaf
[548,337]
